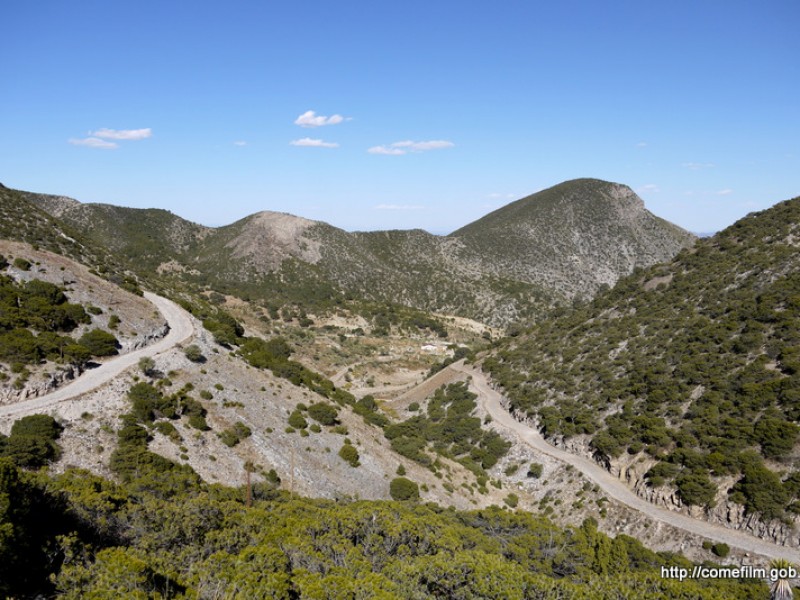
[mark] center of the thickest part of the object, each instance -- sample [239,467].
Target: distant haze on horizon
[374,116]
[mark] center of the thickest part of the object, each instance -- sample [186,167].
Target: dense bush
[323,413]
[99,342]
[33,441]
[349,454]
[402,488]
[164,534]
[194,353]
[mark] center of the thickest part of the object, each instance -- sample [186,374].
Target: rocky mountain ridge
[551,247]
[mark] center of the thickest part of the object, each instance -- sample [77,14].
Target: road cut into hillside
[491,401]
[180,329]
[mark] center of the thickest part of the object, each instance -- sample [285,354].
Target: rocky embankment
[631,470]
[45,382]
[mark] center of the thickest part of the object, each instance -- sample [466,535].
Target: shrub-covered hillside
[165,535]
[695,362]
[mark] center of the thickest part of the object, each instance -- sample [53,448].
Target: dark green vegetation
[166,535]
[695,362]
[451,431]
[32,442]
[38,306]
[152,410]
[510,265]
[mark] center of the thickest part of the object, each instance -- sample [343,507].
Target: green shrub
[168,429]
[323,413]
[99,342]
[194,353]
[721,550]
[233,435]
[349,454]
[297,420]
[401,488]
[198,422]
[535,470]
[22,264]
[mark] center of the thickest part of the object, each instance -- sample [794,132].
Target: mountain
[551,247]
[572,238]
[685,377]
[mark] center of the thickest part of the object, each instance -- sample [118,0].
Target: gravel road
[491,401]
[180,329]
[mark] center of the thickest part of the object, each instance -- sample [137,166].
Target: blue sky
[423,114]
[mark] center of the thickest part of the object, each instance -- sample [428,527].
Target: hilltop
[573,238]
[546,249]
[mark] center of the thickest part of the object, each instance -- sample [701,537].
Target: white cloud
[123,134]
[310,143]
[385,150]
[406,146]
[695,166]
[240,143]
[650,187]
[93,142]
[641,145]
[399,207]
[312,119]
[724,192]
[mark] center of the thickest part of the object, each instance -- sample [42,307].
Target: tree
[402,488]
[99,342]
[696,489]
[781,588]
[32,442]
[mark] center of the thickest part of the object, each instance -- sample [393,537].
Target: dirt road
[180,329]
[613,487]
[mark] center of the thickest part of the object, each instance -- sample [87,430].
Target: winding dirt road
[180,329]
[491,401]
